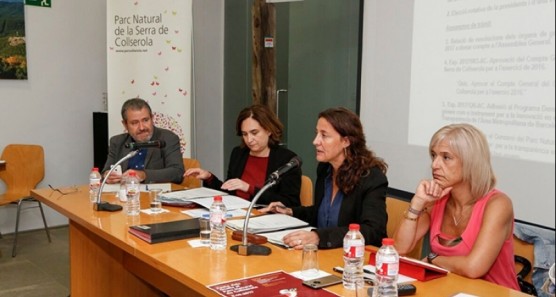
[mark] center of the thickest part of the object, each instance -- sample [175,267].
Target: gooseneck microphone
[146,144]
[295,162]
[246,249]
[100,205]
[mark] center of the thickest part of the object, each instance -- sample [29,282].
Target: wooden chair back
[306,193]
[395,208]
[23,171]
[191,182]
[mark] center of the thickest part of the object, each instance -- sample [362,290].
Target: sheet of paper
[115,188]
[189,194]
[231,202]
[150,212]
[276,236]
[268,223]
[300,276]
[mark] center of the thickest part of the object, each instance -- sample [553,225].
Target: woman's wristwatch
[431,257]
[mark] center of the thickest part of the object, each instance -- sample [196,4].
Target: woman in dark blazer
[350,188]
[255,159]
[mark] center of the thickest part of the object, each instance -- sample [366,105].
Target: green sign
[42,3]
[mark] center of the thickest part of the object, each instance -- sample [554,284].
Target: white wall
[66,54]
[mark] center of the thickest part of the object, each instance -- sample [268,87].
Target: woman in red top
[258,155]
[470,222]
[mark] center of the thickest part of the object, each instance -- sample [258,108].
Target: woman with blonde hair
[470,221]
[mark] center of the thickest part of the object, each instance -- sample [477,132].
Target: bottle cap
[95,168]
[218,198]
[388,241]
[353,227]
[132,173]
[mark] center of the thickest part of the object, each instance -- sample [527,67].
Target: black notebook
[167,231]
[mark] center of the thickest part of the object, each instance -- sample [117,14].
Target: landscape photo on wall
[13,54]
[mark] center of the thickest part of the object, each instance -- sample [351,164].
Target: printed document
[267,223]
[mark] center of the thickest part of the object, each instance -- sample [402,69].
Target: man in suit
[152,165]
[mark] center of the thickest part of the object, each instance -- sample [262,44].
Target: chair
[306,193]
[525,250]
[24,169]
[395,209]
[191,182]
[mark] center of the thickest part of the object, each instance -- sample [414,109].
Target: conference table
[106,260]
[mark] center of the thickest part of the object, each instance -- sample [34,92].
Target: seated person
[470,222]
[350,188]
[255,159]
[152,165]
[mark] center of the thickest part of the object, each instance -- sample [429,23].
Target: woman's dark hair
[266,118]
[358,158]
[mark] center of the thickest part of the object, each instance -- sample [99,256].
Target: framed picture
[13,49]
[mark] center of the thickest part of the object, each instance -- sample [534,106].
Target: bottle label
[94,183]
[354,249]
[217,218]
[389,269]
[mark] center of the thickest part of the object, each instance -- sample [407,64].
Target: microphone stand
[244,248]
[103,205]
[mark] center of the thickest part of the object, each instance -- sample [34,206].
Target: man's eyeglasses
[64,191]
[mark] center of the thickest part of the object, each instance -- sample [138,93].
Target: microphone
[146,144]
[100,205]
[295,162]
[245,249]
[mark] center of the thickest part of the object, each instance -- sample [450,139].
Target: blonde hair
[471,146]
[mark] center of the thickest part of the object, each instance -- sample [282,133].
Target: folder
[416,269]
[166,231]
[268,223]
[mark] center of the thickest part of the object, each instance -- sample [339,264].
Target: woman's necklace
[461,215]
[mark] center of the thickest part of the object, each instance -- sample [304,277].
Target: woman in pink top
[470,222]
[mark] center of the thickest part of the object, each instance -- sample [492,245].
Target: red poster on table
[273,284]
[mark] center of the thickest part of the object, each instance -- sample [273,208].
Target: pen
[368,271]
[366,279]
[266,205]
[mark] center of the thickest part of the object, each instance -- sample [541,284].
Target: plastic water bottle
[354,252]
[94,184]
[387,268]
[218,224]
[132,192]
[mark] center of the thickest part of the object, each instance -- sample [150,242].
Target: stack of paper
[276,237]
[184,197]
[115,188]
[267,223]
[203,197]
[189,194]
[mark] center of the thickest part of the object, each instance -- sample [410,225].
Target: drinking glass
[156,205]
[310,262]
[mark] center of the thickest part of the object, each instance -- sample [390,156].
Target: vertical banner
[149,56]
